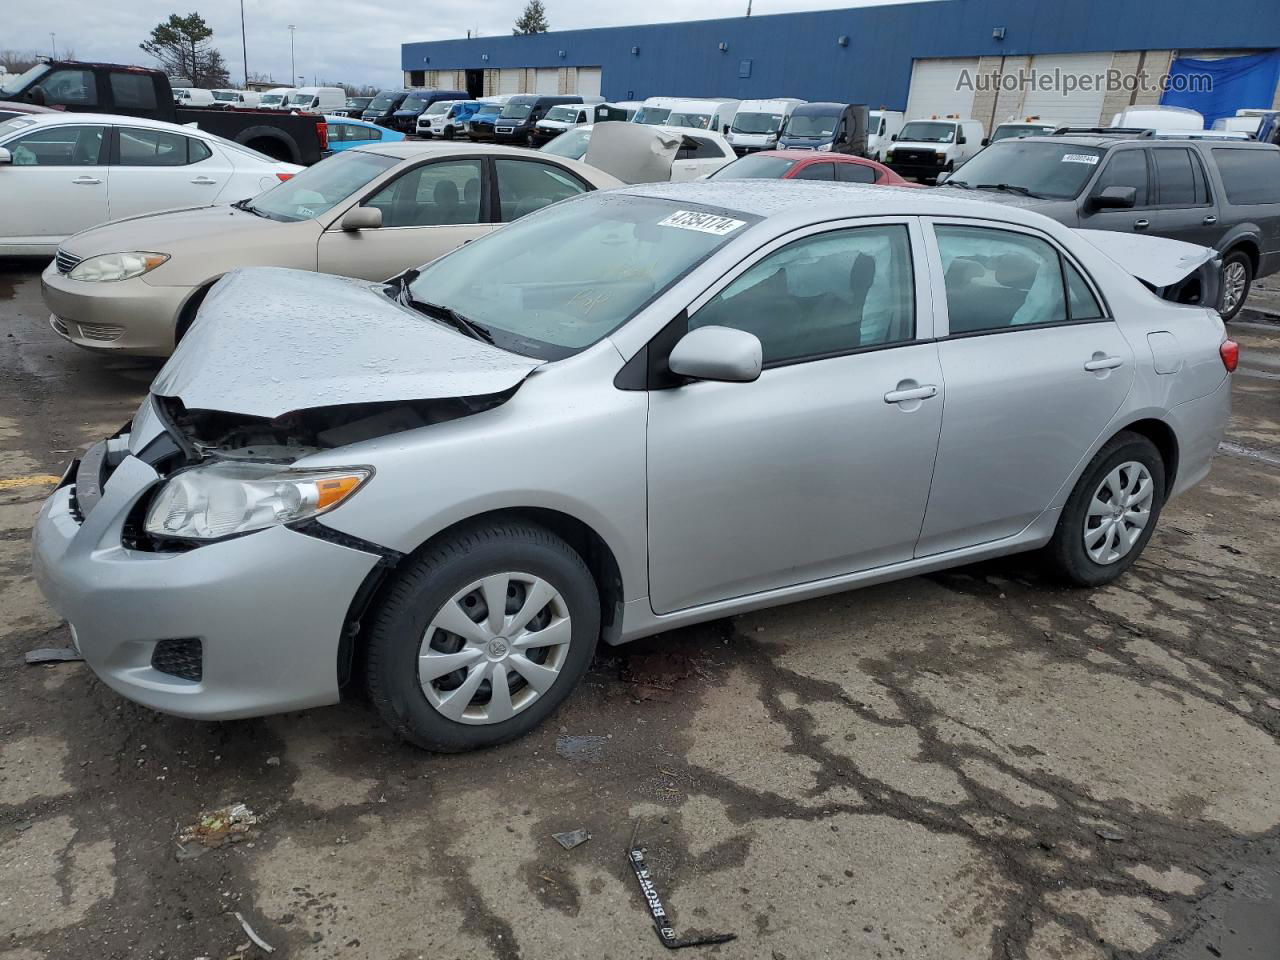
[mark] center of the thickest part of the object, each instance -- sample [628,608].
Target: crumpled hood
[632,152]
[162,231]
[1159,261]
[269,340]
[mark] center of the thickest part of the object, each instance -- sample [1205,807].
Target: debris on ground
[229,824]
[588,749]
[661,921]
[1111,835]
[654,676]
[571,838]
[53,655]
[253,934]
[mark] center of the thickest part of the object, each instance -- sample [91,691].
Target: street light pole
[244,47]
[53,42]
[293,68]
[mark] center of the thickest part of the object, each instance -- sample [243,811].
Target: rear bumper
[267,608]
[130,316]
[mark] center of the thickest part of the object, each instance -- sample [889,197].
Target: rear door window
[528,185]
[1249,175]
[817,171]
[998,279]
[1126,168]
[155,148]
[1176,177]
[699,148]
[855,173]
[133,91]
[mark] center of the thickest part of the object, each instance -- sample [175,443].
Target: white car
[62,173]
[699,153]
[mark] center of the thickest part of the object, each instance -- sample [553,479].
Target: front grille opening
[180,658]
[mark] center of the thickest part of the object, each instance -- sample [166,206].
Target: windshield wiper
[958,183]
[436,311]
[1010,188]
[248,207]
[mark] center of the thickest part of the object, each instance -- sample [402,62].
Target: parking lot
[970,764]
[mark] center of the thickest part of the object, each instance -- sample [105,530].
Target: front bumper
[920,169]
[128,316]
[268,608]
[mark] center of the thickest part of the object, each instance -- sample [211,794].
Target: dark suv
[1219,193]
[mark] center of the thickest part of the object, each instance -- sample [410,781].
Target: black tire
[418,593]
[1066,552]
[1236,259]
[448,133]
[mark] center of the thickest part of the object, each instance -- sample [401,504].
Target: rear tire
[493,680]
[1237,279]
[1111,513]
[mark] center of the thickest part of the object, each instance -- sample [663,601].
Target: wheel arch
[189,307]
[1246,240]
[1165,441]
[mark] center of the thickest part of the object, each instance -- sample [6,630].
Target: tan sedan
[133,286]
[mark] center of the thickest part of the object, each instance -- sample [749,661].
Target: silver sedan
[631,411]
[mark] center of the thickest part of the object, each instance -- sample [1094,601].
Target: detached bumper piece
[183,659]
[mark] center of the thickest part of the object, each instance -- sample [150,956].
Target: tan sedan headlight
[223,499]
[117,266]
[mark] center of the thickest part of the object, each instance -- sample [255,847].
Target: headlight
[222,499]
[117,266]
[888,156]
[825,146]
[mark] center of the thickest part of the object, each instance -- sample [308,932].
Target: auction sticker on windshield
[1088,158]
[702,222]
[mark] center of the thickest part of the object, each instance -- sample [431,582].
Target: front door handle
[1141,224]
[205,181]
[86,180]
[911,393]
[1209,219]
[1102,363]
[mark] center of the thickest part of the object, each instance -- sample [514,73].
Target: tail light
[322,132]
[1230,353]
[283,176]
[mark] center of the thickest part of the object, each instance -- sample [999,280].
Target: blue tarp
[1231,84]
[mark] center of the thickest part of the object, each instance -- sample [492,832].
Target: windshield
[17,82]
[415,102]
[300,99]
[757,122]
[923,131]
[652,115]
[567,114]
[438,108]
[516,111]
[1007,130]
[812,124]
[756,167]
[357,103]
[571,144]
[383,101]
[14,124]
[699,121]
[271,99]
[225,95]
[1043,168]
[319,188]
[489,110]
[557,281]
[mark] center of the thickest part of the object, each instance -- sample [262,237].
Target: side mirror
[717,353]
[942,178]
[960,138]
[36,95]
[1114,198]
[894,137]
[986,141]
[362,218]
[5,155]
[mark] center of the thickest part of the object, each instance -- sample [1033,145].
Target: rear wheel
[1111,513]
[1237,278]
[480,639]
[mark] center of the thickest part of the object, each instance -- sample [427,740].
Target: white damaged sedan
[631,411]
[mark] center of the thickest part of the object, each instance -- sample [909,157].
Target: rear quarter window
[1249,176]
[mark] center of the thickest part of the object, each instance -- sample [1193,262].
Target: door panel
[1124,168]
[56,184]
[162,170]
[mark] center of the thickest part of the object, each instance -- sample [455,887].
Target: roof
[66,116]
[407,149]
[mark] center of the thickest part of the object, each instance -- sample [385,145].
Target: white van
[714,114]
[756,123]
[1159,118]
[655,110]
[882,127]
[927,147]
[237,99]
[316,99]
[1247,120]
[273,99]
[192,96]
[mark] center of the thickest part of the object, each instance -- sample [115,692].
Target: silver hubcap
[1233,282]
[494,648]
[1118,512]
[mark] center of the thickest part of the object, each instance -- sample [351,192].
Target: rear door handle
[86,180]
[205,181]
[912,393]
[1103,363]
[1209,219]
[1141,224]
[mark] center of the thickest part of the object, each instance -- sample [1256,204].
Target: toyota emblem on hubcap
[498,647]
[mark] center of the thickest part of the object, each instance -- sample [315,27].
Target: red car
[809,165]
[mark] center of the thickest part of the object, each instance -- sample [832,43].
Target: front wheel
[1111,513]
[1237,278]
[479,640]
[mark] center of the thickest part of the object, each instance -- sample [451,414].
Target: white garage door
[547,81]
[934,86]
[588,81]
[1076,108]
[509,79]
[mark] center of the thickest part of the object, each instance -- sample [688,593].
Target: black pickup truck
[140,92]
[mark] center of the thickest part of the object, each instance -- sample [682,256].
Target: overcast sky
[350,41]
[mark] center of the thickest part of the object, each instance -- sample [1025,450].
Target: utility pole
[244,47]
[748,8]
[53,43]
[293,67]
